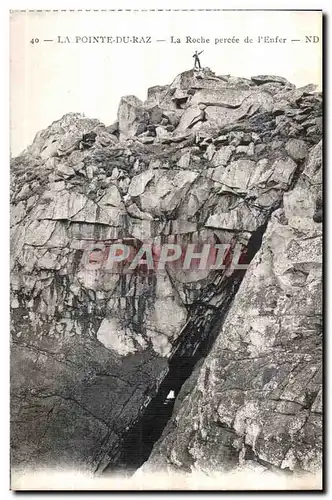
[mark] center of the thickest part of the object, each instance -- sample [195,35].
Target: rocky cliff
[96,351]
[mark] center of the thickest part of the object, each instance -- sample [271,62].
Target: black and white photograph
[166,215]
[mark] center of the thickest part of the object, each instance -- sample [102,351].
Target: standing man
[197,63]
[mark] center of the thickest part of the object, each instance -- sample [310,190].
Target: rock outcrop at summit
[208,158]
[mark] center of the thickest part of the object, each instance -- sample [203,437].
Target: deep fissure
[195,343]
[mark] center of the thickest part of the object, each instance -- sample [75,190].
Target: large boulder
[260,79]
[192,115]
[256,402]
[132,116]
[157,93]
[228,98]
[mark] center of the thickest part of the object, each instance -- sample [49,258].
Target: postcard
[166,250]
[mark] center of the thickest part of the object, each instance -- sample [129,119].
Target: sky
[49,79]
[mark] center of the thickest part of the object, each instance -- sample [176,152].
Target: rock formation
[95,353]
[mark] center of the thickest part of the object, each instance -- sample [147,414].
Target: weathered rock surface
[257,399]
[206,159]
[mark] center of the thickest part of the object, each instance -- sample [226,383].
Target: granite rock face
[256,402]
[206,159]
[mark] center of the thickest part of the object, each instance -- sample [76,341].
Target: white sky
[49,79]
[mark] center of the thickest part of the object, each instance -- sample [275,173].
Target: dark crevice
[194,344]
